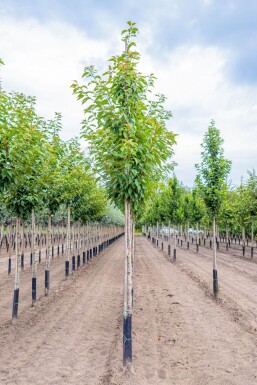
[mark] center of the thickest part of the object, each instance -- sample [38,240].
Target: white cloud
[43,59]
[194,80]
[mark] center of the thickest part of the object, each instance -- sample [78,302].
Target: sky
[203,53]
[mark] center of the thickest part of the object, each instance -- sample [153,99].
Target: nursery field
[182,335]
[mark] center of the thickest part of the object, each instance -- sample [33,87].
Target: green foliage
[38,169]
[126,130]
[227,217]
[175,200]
[21,153]
[197,207]
[252,192]
[113,215]
[213,170]
[164,204]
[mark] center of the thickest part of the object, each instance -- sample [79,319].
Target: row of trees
[39,171]
[211,202]
[185,207]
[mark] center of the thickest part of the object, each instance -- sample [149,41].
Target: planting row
[79,244]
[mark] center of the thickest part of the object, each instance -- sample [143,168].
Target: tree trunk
[133,241]
[169,240]
[127,311]
[78,253]
[215,272]
[252,233]
[17,271]
[67,257]
[243,234]
[47,265]
[34,261]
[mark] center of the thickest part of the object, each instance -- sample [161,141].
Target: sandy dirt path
[237,282]
[181,335]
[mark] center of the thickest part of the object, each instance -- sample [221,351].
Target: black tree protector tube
[22,261]
[174,255]
[67,268]
[73,263]
[187,245]
[162,245]
[30,259]
[91,253]
[251,252]
[127,340]
[78,261]
[84,257]
[15,303]
[215,282]
[34,290]
[197,247]
[169,250]
[9,266]
[47,282]
[243,250]
[39,256]
[88,255]
[58,251]
[52,251]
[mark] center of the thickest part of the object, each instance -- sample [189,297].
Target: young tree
[197,211]
[227,218]
[242,207]
[211,180]
[22,159]
[129,143]
[252,191]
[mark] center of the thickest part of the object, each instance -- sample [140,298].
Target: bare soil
[181,334]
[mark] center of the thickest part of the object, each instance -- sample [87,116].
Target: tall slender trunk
[243,234]
[34,261]
[252,233]
[78,253]
[17,271]
[67,257]
[47,265]
[127,311]
[133,241]
[215,272]
[9,259]
[73,232]
[175,244]
[169,240]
